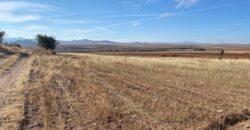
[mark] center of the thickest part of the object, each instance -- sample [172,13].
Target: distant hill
[88,42]
[28,43]
[88,45]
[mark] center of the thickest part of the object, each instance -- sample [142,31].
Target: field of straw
[81,91]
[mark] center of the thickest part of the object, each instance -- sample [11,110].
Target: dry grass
[112,92]
[8,62]
[10,49]
[42,51]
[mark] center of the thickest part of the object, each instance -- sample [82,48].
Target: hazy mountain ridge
[30,43]
[87,41]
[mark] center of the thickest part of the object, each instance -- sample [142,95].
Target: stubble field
[83,91]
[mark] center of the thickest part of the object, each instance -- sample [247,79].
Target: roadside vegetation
[8,62]
[46,45]
[46,42]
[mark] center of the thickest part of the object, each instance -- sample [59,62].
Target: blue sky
[211,21]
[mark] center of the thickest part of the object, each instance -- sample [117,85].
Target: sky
[206,21]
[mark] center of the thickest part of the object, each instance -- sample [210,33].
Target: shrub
[42,51]
[46,42]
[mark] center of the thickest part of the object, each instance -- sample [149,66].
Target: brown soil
[228,55]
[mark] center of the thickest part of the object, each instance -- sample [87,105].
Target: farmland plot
[77,91]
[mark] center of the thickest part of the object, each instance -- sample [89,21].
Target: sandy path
[11,95]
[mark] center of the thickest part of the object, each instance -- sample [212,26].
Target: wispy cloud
[186,3]
[107,29]
[71,21]
[27,31]
[150,1]
[125,23]
[151,17]
[20,32]
[78,34]
[14,6]
[8,11]
[231,25]
[167,14]
[10,18]
[130,15]
[138,3]
[73,34]
[36,27]
[135,5]
[136,24]
[218,7]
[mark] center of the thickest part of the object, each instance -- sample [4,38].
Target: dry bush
[42,51]
[14,48]
[11,49]
[6,50]
[8,62]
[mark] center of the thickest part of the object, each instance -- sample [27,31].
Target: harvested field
[187,54]
[82,91]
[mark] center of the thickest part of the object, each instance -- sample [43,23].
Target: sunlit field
[82,91]
[124,65]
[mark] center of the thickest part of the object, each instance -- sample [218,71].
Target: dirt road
[11,94]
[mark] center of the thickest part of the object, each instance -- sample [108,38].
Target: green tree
[2,34]
[47,42]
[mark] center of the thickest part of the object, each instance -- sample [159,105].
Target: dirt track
[11,101]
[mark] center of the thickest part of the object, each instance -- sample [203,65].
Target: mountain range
[30,43]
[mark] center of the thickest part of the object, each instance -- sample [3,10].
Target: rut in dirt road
[11,88]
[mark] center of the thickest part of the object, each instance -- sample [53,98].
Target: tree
[2,34]
[222,52]
[47,42]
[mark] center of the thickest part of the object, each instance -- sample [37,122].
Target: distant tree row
[44,41]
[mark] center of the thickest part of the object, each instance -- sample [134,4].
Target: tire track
[197,93]
[11,87]
[189,95]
